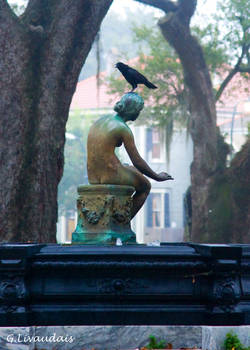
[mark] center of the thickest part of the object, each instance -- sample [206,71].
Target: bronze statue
[104,167]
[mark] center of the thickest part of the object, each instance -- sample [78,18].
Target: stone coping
[106,189]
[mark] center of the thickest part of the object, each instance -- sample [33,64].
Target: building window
[157,212]
[156,209]
[154,146]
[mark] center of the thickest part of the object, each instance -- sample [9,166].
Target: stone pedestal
[104,214]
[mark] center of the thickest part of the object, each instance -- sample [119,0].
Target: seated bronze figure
[104,167]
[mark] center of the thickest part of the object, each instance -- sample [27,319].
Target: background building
[162,218]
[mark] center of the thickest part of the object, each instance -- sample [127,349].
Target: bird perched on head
[133,77]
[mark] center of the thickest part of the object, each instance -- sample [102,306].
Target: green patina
[104,215]
[129,105]
[220,212]
[83,236]
[107,238]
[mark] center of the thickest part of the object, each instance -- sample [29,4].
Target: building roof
[87,95]
[237,91]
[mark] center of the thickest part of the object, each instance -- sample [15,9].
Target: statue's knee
[143,186]
[147,187]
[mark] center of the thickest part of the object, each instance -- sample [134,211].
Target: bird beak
[115,65]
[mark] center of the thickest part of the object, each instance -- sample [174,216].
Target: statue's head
[130,106]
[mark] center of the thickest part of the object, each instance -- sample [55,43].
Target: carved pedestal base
[104,214]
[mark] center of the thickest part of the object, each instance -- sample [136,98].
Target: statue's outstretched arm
[138,161]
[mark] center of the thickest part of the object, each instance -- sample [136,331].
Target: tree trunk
[175,28]
[41,55]
[229,219]
[239,179]
[220,196]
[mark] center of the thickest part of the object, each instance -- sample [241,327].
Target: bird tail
[150,85]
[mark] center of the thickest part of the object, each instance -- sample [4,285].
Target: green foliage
[234,16]
[213,47]
[115,40]
[220,212]
[232,342]
[161,66]
[229,35]
[75,172]
[154,344]
[222,42]
[169,103]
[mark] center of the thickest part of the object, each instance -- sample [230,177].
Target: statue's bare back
[104,167]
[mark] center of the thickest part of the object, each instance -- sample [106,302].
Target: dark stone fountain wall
[174,284]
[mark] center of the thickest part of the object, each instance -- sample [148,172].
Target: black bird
[133,77]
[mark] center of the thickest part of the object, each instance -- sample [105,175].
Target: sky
[203,7]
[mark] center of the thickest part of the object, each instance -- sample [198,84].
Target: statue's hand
[164,176]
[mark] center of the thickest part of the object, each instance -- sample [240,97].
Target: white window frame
[162,158]
[162,192]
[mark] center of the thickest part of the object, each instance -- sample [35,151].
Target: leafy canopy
[75,172]
[224,40]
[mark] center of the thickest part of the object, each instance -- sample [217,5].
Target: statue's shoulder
[119,123]
[125,129]
[100,122]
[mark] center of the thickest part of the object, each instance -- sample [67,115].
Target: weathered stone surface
[102,338]
[104,214]
[13,338]
[116,337]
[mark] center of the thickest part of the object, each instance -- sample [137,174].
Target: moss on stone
[220,212]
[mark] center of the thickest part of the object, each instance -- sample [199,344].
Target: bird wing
[138,77]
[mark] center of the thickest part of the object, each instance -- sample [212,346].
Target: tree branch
[186,9]
[225,82]
[164,5]
[12,34]
[244,69]
[237,68]
[39,13]
[6,14]
[4,6]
